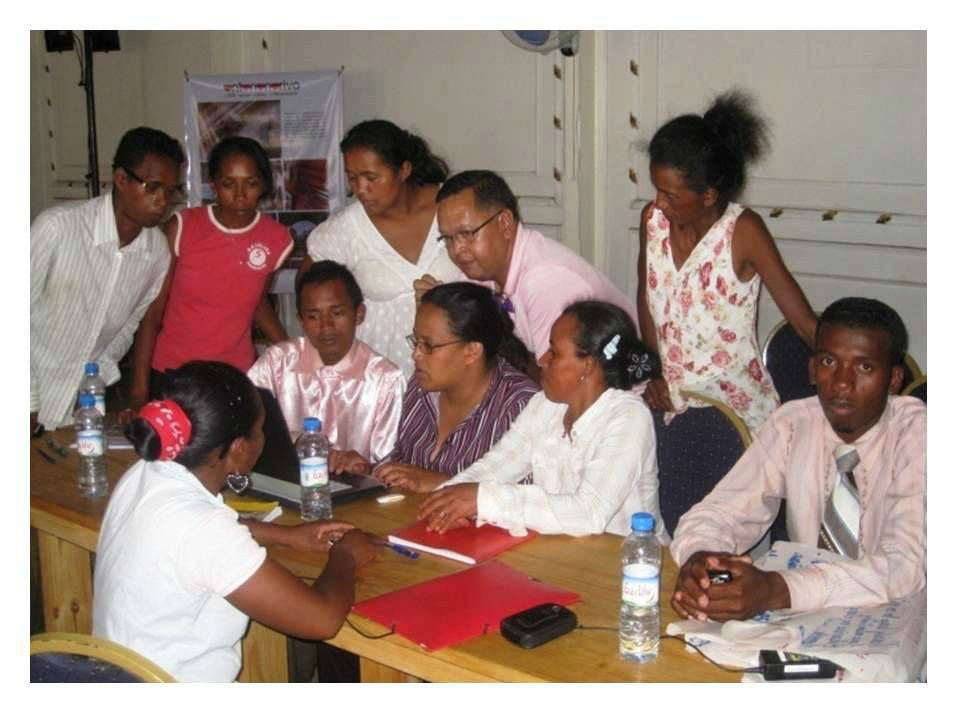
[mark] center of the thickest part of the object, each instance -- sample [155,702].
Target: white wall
[848,111]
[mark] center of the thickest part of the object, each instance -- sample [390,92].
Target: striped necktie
[840,532]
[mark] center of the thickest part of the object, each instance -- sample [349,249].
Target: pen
[405,551]
[49,458]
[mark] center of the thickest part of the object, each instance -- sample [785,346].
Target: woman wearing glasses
[387,238]
[587,440]
[222,259]
[464,392]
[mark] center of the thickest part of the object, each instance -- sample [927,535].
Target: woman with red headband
[177,575]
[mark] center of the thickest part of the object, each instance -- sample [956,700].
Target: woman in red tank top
[223,257]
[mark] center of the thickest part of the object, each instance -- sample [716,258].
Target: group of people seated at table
[456,353]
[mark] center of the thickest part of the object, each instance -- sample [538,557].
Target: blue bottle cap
[87,400]
[642,522]
[311,424]
[91,369]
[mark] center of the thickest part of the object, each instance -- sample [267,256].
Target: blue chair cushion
[694,452]
[67,667]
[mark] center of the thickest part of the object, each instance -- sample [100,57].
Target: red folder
[458,607]
[471,544]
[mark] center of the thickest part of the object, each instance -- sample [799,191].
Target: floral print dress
[706,321]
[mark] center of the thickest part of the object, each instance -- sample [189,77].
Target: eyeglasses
[174,193]
[466,236]
[426,348]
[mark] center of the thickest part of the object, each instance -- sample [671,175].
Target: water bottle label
[641,585]
[100,404]
[313,472]
[90,443]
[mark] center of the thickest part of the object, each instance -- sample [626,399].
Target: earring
[238,482]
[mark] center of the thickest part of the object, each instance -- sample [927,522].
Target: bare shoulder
[749,223]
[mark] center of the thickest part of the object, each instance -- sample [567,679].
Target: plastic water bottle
[640,599]
[92,383]
[313,449]
[90,446]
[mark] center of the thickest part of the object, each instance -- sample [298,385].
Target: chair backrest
[917,389]
[694,452]
[911,375]
[787,358]
[74,657]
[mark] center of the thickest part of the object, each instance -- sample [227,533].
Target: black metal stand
[93,176]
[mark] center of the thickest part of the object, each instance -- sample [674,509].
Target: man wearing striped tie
[95,267]
[851,464]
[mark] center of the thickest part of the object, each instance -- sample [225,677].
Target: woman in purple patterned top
[464,392]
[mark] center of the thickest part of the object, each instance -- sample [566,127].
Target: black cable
[77,47]
[685,642]
[357,630]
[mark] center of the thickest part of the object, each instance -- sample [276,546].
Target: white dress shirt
[87,296]
[590,481]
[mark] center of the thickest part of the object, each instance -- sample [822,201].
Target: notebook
[458,607]
[471,545]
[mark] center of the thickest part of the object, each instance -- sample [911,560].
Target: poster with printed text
[297,118]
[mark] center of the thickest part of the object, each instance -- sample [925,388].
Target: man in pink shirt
[329,374]
[857,366]
[535,277]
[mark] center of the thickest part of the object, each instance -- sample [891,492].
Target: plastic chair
[694,452]
[74,657]
[917,389]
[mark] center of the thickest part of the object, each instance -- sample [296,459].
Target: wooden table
[67,528]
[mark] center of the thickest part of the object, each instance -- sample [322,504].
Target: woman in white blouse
[388,237]
[177,576]
[588,441]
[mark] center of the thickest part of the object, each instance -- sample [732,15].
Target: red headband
[170,423]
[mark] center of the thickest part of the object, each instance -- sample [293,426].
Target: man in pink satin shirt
[329,374]
[857,368]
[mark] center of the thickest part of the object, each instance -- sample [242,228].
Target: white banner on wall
[298,119]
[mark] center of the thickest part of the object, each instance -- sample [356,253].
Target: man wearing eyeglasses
[95,267]
[534,277]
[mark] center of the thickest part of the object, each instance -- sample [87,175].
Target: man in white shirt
[95,267]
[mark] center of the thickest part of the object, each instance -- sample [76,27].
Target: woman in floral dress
[702,260]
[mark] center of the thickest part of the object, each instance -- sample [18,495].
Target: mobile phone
[719,576]
[782,665]
[538,625]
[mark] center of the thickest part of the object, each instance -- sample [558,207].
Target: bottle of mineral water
[640,604]
[313,449]
[90,447]
[92,383]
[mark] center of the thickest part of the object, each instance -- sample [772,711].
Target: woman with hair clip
[177,575]
[387,238]
[466,389]
[702,260]
[587,439]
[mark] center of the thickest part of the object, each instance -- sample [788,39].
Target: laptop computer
[277,471]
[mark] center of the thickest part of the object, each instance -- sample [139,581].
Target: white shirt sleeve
[219,555]
[43,241]
[606,477]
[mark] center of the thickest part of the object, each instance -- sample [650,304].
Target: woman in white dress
[388,236]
